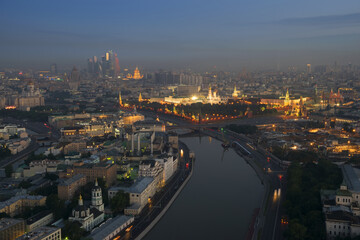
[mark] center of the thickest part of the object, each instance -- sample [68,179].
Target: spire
[120,100]
[80,201]
[287,97]
[210,93]
[140,98]
[96,183]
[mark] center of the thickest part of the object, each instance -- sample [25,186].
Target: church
[90,216]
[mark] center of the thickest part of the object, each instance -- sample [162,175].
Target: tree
[73,230]
[51,176]
[56,205]
[9,170]
[119,202]
[25,184]
[86,155]
[246,129]
[4,152]
[296,231]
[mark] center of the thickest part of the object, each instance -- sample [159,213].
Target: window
[330,232]
[334,226]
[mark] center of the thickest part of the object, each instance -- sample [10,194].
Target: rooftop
[38,233]
[37,217]
[8,222]
[110,226]
[350,177]
[67,182]
[17,198]
[342,216]
[138,187]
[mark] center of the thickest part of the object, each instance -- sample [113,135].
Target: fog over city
[199,34]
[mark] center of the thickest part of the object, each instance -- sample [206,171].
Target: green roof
[343,193]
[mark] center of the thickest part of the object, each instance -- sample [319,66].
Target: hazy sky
[230,34]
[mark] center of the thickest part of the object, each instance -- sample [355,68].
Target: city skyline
[201,35]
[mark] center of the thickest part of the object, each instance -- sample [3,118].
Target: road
[21,155]
[39,129]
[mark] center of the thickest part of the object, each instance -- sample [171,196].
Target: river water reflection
[218,201]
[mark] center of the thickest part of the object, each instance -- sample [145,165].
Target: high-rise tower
[137,74]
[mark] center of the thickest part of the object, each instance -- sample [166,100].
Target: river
[219,200]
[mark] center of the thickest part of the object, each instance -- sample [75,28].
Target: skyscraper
[75,75]
[74,79]
[108,64]
[308,68]
[53,68]
[91,66]
[117,65]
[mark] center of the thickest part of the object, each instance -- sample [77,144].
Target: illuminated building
[140,98]
[308,68]
[120,100]
[283,101]
[133,117]
[235,94]
[335,98]
[137,75]
[212,97]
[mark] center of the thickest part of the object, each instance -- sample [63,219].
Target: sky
[168,34]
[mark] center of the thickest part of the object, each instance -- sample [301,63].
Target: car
[284,220]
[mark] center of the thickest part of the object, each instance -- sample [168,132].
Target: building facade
[68,187]
[11,228]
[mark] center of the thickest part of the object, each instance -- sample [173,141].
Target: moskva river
[219,200]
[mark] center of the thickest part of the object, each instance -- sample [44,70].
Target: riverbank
[173,198]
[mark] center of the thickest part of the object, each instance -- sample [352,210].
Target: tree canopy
[119,202]
[302,201]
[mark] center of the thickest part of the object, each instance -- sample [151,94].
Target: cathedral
[89,216]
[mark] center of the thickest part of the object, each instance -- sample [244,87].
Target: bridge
[178,124]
